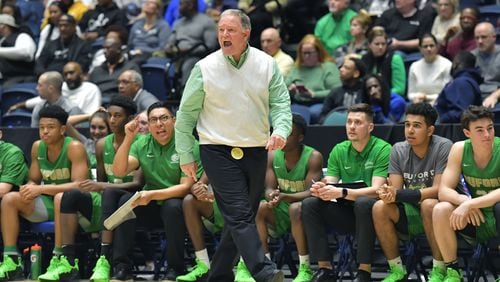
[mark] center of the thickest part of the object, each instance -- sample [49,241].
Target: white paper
[123,213]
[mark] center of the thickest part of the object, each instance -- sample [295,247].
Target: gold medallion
[237,153]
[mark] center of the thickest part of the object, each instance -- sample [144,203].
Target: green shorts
[414,219]
[216,222]
[488,229]
[95,223]
[483,232]
[282,220]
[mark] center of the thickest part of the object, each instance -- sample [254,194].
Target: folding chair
[17,93]
[156,73]
[17,119]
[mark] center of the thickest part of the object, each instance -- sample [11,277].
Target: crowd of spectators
[406,45]
[375,57]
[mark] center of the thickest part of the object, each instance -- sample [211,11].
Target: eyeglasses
[161,119]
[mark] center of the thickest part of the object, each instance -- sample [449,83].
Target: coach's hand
[190,170]
[275,142]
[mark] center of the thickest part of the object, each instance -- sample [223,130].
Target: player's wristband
[408,196]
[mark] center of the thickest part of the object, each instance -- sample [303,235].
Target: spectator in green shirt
[333,29]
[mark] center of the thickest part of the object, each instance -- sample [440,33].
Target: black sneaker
[73,275]
[363,276]
[121,275]
[171,275]
[277,276]
[324,275]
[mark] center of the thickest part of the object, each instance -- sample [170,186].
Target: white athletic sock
[439,264]
[304,259]
[268,255]
[203,256]
[396,262]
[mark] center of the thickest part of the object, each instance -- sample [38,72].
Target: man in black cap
[17,51]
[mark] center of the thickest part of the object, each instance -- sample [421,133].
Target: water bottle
[36,261]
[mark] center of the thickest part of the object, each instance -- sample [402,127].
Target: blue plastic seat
[489,13]
[42,227]
[17,93]
[303,111]
[17,119]
[155,75]
[32,15]
[336,118]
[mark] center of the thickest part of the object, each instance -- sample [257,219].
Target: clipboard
[123,213]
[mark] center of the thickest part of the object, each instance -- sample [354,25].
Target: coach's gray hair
[245,20]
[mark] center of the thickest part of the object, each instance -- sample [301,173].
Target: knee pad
[69,201]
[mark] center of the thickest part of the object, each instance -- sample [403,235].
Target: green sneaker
[452,275]
[199,272]
[437,275]
[101,270]
[305,274]
[242,273]
[396,274]
[64,271]
[54,262]
[10,270]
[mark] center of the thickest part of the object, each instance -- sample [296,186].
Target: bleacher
[481,261]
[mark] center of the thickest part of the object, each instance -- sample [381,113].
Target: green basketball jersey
[108,157]
[482,181]
[292,181]
[58,172]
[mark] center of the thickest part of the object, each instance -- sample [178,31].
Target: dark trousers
[238,187]
[496,210]
[365,231]
[110,203]
[154,215]
[344,218]
[111,200]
